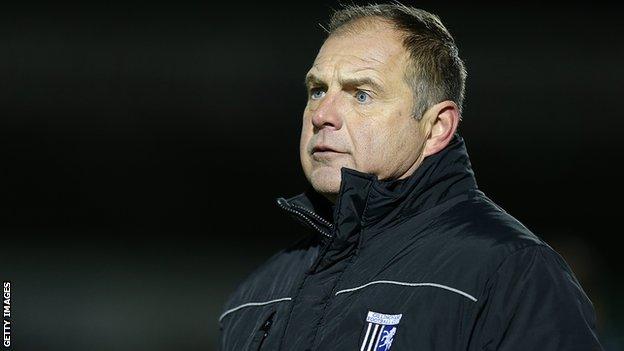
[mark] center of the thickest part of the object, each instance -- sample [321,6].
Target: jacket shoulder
[480,225]
[479,237]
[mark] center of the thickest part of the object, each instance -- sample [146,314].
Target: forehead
[376,47]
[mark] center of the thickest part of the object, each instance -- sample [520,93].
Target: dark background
[143,145]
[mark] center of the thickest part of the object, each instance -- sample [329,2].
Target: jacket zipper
[265,330]
[305,214]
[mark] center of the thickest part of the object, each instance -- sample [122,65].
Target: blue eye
[316,93]
[362,96]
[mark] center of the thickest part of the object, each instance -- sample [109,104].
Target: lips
[324,148]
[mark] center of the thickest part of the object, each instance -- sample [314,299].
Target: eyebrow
[311,79]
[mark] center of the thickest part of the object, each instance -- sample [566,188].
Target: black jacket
[423,263]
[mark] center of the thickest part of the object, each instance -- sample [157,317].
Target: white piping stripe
[249,304]
[410,284]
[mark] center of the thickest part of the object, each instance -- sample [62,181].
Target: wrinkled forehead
[376,48]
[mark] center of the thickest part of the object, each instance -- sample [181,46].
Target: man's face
[359,107]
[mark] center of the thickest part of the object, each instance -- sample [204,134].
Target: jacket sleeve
[534,302]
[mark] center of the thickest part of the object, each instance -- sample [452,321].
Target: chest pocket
[262,333]
[251,326]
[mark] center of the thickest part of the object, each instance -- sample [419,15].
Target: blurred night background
[143,145]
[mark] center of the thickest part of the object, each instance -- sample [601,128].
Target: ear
[441,122]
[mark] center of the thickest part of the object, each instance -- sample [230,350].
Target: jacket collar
[365,202]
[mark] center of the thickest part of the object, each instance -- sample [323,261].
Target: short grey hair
[436,73]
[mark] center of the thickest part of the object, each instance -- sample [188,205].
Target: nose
[327,114]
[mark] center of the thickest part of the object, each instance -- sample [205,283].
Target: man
[407,253]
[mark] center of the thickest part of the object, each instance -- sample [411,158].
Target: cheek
[306,134]
[304,157]
[303,140]
[369,143]
[382,149]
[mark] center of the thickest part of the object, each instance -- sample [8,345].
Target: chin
[326,180]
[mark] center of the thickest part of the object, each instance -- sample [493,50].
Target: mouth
[325,153]
[325,149]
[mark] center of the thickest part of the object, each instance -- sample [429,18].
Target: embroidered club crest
[380,331]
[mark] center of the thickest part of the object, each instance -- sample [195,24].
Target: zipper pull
[267,324]
[265,329]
